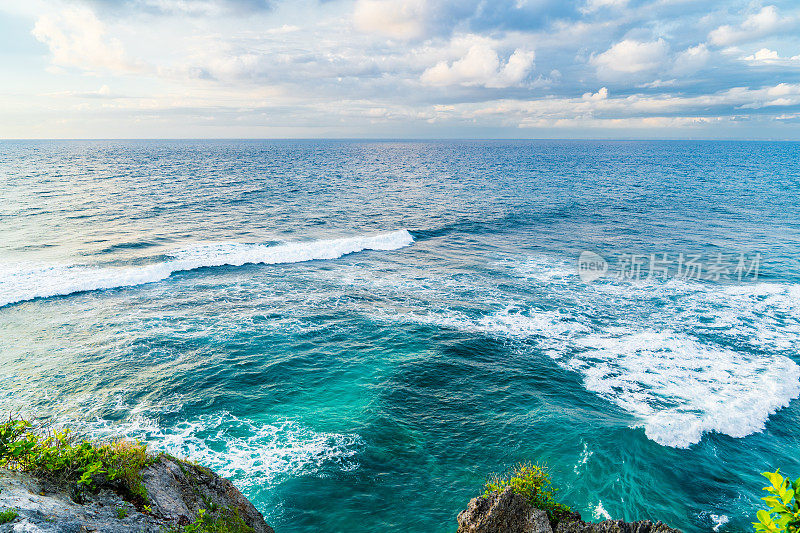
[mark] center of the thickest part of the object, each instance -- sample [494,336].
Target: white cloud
[307,63]
[631,57]
[657,84]
[755,26]
[481,66]
[765,56]
[403,19]
[596,5]
[691,60]
[77,38]
[602,94]
[601,110]
[103,92]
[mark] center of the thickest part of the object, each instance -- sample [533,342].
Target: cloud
[602,94]
[597,5]
[77,38]
[657,84]
[197,8]
[481,66]
[691,60]
[403,19]
[421,19]
[765,56]
[103,93]
[755,26]
[600,108]
[631,57]
[358,63]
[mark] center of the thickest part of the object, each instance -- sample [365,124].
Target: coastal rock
[502,513]
[614,526]
[508,512]
[177,490]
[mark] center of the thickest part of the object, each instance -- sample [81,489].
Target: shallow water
[357,333]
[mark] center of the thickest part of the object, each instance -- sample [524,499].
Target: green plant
[8,515]
[121,512]
[61,458]
[783,514]
[533,482]
[222,521]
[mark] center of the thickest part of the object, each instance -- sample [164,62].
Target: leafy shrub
[62,459]
[8,515]
[783,514]
[533,482]
[121,512]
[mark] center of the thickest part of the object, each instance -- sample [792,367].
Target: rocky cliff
[179,494]
[508,512]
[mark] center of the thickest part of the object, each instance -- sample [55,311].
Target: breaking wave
[255,456]
[685,359]
[21,283]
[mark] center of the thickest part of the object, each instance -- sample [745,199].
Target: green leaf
[775,478]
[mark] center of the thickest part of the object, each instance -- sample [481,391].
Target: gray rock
[614,526]
[177,491]
[43,511]
[511,513]
[502,513]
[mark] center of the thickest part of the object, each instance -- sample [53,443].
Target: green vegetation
[783,514]
[62,459]
[220,521]
[533,482]
[8,515]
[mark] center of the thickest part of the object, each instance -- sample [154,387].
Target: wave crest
[18,284]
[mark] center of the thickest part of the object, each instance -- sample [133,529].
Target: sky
[621,69]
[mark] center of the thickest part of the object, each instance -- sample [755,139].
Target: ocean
[358,333]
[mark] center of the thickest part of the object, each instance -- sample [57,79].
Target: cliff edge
[509,512]
[180,496]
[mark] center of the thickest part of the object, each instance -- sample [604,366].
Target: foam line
[18,284]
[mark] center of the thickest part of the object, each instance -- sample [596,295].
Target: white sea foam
[254,455]
[20,283]
[682,388]
[600,513]
[584,458]
[511,322]
[719,521]
[684,358]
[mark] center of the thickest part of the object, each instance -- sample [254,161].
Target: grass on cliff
[219,521]
[532,482]
[62,459]
[8,515]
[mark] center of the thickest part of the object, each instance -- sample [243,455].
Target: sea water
[358,333]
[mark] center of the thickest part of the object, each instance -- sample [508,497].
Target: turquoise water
[358,333]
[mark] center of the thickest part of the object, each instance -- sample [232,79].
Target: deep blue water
[359,333]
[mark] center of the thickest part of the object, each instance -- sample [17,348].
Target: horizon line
[404,139]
